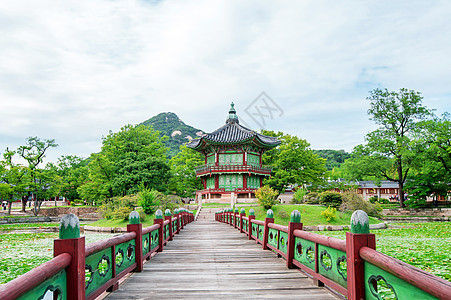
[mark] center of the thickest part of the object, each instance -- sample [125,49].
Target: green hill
[170,125]
[334,158]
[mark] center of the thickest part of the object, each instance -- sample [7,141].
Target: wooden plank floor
[210,260]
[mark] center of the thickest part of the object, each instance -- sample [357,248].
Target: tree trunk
[401,184]
[9,208]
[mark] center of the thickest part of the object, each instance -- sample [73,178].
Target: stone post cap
[270,213]
[133,217]
[295,216]
[69,227]
[159,214]
[360,223]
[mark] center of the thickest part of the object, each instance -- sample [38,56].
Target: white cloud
[74,70]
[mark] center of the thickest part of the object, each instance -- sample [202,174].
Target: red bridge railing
[351,267]
[85,272]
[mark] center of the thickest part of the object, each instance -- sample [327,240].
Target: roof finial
[233,118]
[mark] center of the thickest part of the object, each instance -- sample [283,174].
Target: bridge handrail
[423,280]
[321,239]
[361,261]
[28,281]
[65,274]
[107,243]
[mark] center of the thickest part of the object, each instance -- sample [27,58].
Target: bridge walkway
[210,260]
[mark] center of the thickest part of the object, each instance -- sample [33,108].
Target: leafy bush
[118,207]
[416,203]
[353,201]
[298,196]
[329,213]
[333,199]
[383,201]
[312,198]
[150,200]
[374,199]
[266,197]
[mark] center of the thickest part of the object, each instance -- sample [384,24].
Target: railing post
[359,237]
[136,226]
[269,219]
[168,216]
[235,224]
[295,223]
[176,216]
[249,227]
[70,242]
[242,215]
[159,220]
[181,212]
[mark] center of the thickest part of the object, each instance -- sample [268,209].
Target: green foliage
[299,196]
[334,158]
[353,201]
[132,157]
[312,198]
[293,162]
[333,199]
[329,213]
[266,197]
[373,199]
[184,181]
[149,200]
[167,124]
[119,207]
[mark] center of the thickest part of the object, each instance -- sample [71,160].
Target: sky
[74,70]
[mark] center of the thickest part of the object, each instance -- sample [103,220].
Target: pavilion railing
[85,272]
[232,168]
[351,267]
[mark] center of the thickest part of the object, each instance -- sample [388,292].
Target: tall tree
[132,157]
[397,114]
[34,153]
[184,181]
[293,162]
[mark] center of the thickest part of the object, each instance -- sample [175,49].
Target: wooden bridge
[222,255]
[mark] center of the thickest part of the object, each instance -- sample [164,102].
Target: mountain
[170,125]
[334,158]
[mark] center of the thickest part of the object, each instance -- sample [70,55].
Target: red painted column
[137,227]
[356,239]
[295,223]
[168,216]
[235,214]
[242,215]
[269,219]
[251,217]
[216,181]
[70,242]
[159,220]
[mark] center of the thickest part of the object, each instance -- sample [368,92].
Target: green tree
[34,153]
[184,181]
[388,149]
[132,157]
[293,162]
[73,172]
[266,196]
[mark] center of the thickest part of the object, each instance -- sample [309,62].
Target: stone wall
[81,212]
[418,212]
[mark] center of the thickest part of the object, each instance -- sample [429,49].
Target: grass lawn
[424,245]
[310,215]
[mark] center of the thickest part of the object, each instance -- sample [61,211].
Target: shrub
[329,213]
[383,201]
[266,197]
[312,198]
[353,201]
[333,199]
[150,200]
[374,199]
[117,207]
[298,196]
[122,212]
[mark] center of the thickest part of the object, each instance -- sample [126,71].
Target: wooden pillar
[295,223]
[168,216]
[251,217]
[269,219]
[244,181]
[136,227]
[159,220]
[235,223]
[359,237]
[242,215]
[70,242]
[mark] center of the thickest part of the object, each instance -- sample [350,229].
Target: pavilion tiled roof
[233,133]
